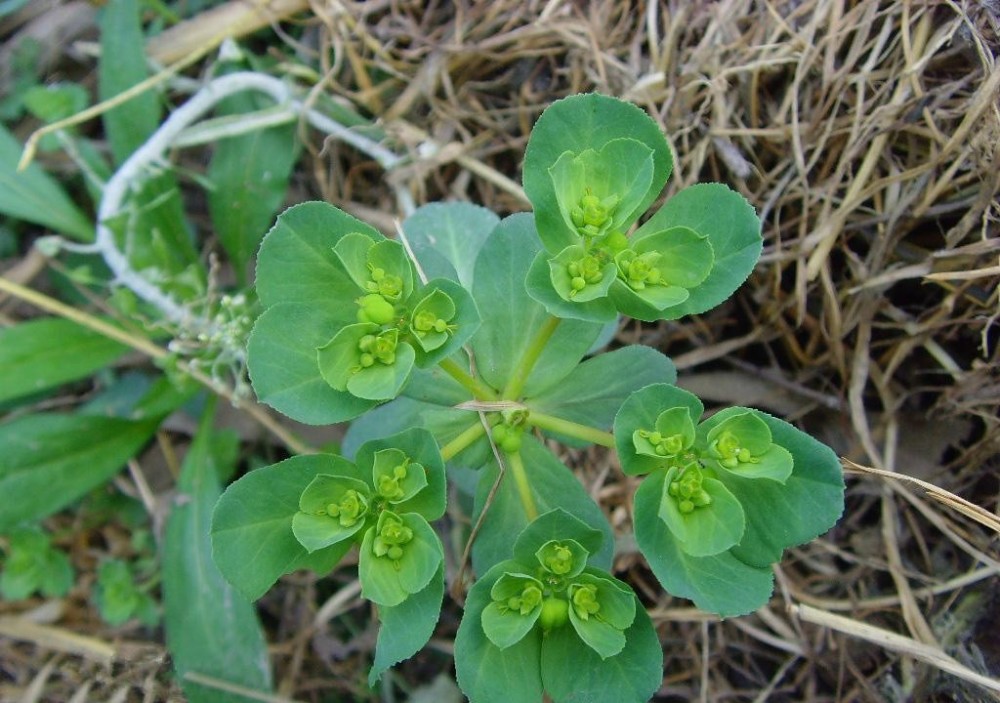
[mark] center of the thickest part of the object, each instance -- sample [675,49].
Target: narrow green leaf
[575,124]
[732,228]
[281,357]
[480,664]
[446,238]
[405,628]
[167,242]
[596,389]
[511,318]
[33,196]
[572,671]
[553,486]
[49,460]
[718,584]
[41,354]
[252,540]
[780,516]
[249,176]
[209,629]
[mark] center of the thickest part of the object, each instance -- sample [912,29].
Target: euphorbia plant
[471,345]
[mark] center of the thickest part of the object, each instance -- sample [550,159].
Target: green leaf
[365,362]
[511,319]
[56,101]
[313,526]
[553,486]
[463,322]
[706,530]
[297,263]
[436,308]
[480,664]
[556,524]
[252,539]
[743,433]
[576,124]
[41,354]
[33,196]
[446,238]
[687,255]
[569,271]
[562,557]
[167,242]
[596,389]
[33,564]
[249,176]
[389,581]
[603,630]
[517,603]
[656,273]
[116,594]
[640,412]
[618,176]
[544,291]
[732,228]
[209,629]
[281,357]
[674,432]
[572,671]
[419,445]
[780,516]
[50,460]
[717,584]
[405,628]
[396,478]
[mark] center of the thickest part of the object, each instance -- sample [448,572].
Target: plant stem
[479,390]
[571,429]
[463,440]
[517,470]
[528,359]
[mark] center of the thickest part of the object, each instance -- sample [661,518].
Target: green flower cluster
[383,503]
[399,324]
[697,462]
[556,589]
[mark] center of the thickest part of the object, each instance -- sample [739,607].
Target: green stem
[516,465]
[528,359]
[570,429]
[463,440]
[479,390]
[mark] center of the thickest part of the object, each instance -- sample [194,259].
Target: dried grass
[866,133]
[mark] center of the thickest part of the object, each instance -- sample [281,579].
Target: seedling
[467,343]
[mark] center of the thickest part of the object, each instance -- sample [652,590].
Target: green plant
[33,564]
[467,343]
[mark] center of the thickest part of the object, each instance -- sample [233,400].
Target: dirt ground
[865,133]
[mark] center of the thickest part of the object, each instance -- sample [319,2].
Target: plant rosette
[546,611]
